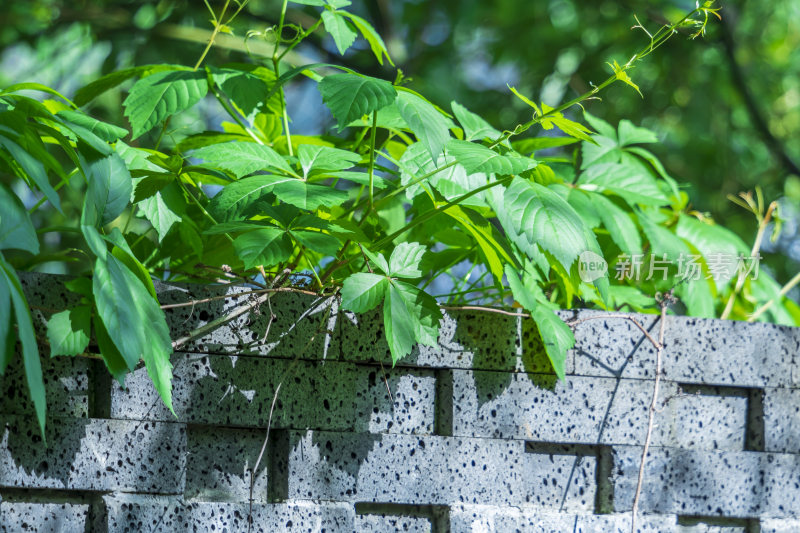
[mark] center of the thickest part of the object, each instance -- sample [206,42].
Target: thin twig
[386,380]
[246,293]
[664,303]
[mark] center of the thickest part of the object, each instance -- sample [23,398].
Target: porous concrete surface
[473,435]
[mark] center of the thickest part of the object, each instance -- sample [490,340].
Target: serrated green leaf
[337,27]
[315,157]
[307,196]
[242,158]
[265,247]
[350,96]
[623,76]
[662,241]
[373,38]
[160,95]
[556,336]
[493,245]
[451,182]
[164,209]
[570,127]
[16,228]
[630,134]
[113,359]
[619,224]
[405,259]
[398,322]
[109,189]
[478,158]
[534,216]
[424,310]
[317,241]
[247,87]
[27,338]
[475,127]
[86,94]
[362,291]
[634,185]
[528,146]
[134,322]
[103,130]
[378,260]
[425,121]
[68,331]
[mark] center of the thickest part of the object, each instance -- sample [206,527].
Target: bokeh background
[726,106]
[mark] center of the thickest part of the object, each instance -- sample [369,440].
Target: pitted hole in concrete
[719,523]
[753,417]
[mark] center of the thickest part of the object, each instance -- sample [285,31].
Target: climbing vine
[405,205]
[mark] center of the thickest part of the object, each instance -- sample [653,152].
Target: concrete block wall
[474,435]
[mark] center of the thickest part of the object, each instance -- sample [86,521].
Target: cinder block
[782,420]
[157,514]
[707,483]
[43,517]
[488,519]
[239,391]
[779,525]
[66,383]
[219,462]
[592,410]
[301,324]
[381,523]
[702,351]
[93,454]
[431,470]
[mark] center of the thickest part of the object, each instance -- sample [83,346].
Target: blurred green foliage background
[726,107]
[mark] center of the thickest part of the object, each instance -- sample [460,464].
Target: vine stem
[786,288]
[276,61]
[217,26]
[372,158]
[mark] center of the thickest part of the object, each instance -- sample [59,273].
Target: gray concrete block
[782,420]
[239,391]
[707,483]
[93,454]
[66,383]
[381,523]
[592,410]
[467,339]
[779,525]
[431,470]
[301,322]
[703,351]
[17,517]
[219,462]
[156,514]
[490,519]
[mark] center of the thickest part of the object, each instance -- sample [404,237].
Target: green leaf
[534,216]
[556,336]
[528,146]
[265,246]
[350,96]
[451,182]
[86,94]
[525,99]
[8,337]
[16,228]
[378,260]
[339,29]
[113,359]
[106,132]
[68,331]
[623,76]
[475,127]
[373,38]
[362,291]
[409,316]
[405,259]
[27,337]
[630,134]
[715,243]
[109,190]
[662,241]
[428,124]
[619,225]
[307,196]
[247,87]
[158,96]
[317,241]
[570,127]
[134,322]
[478,158]
[493,245]
[164,209]
[318,157]
[242,158]
[634,185]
